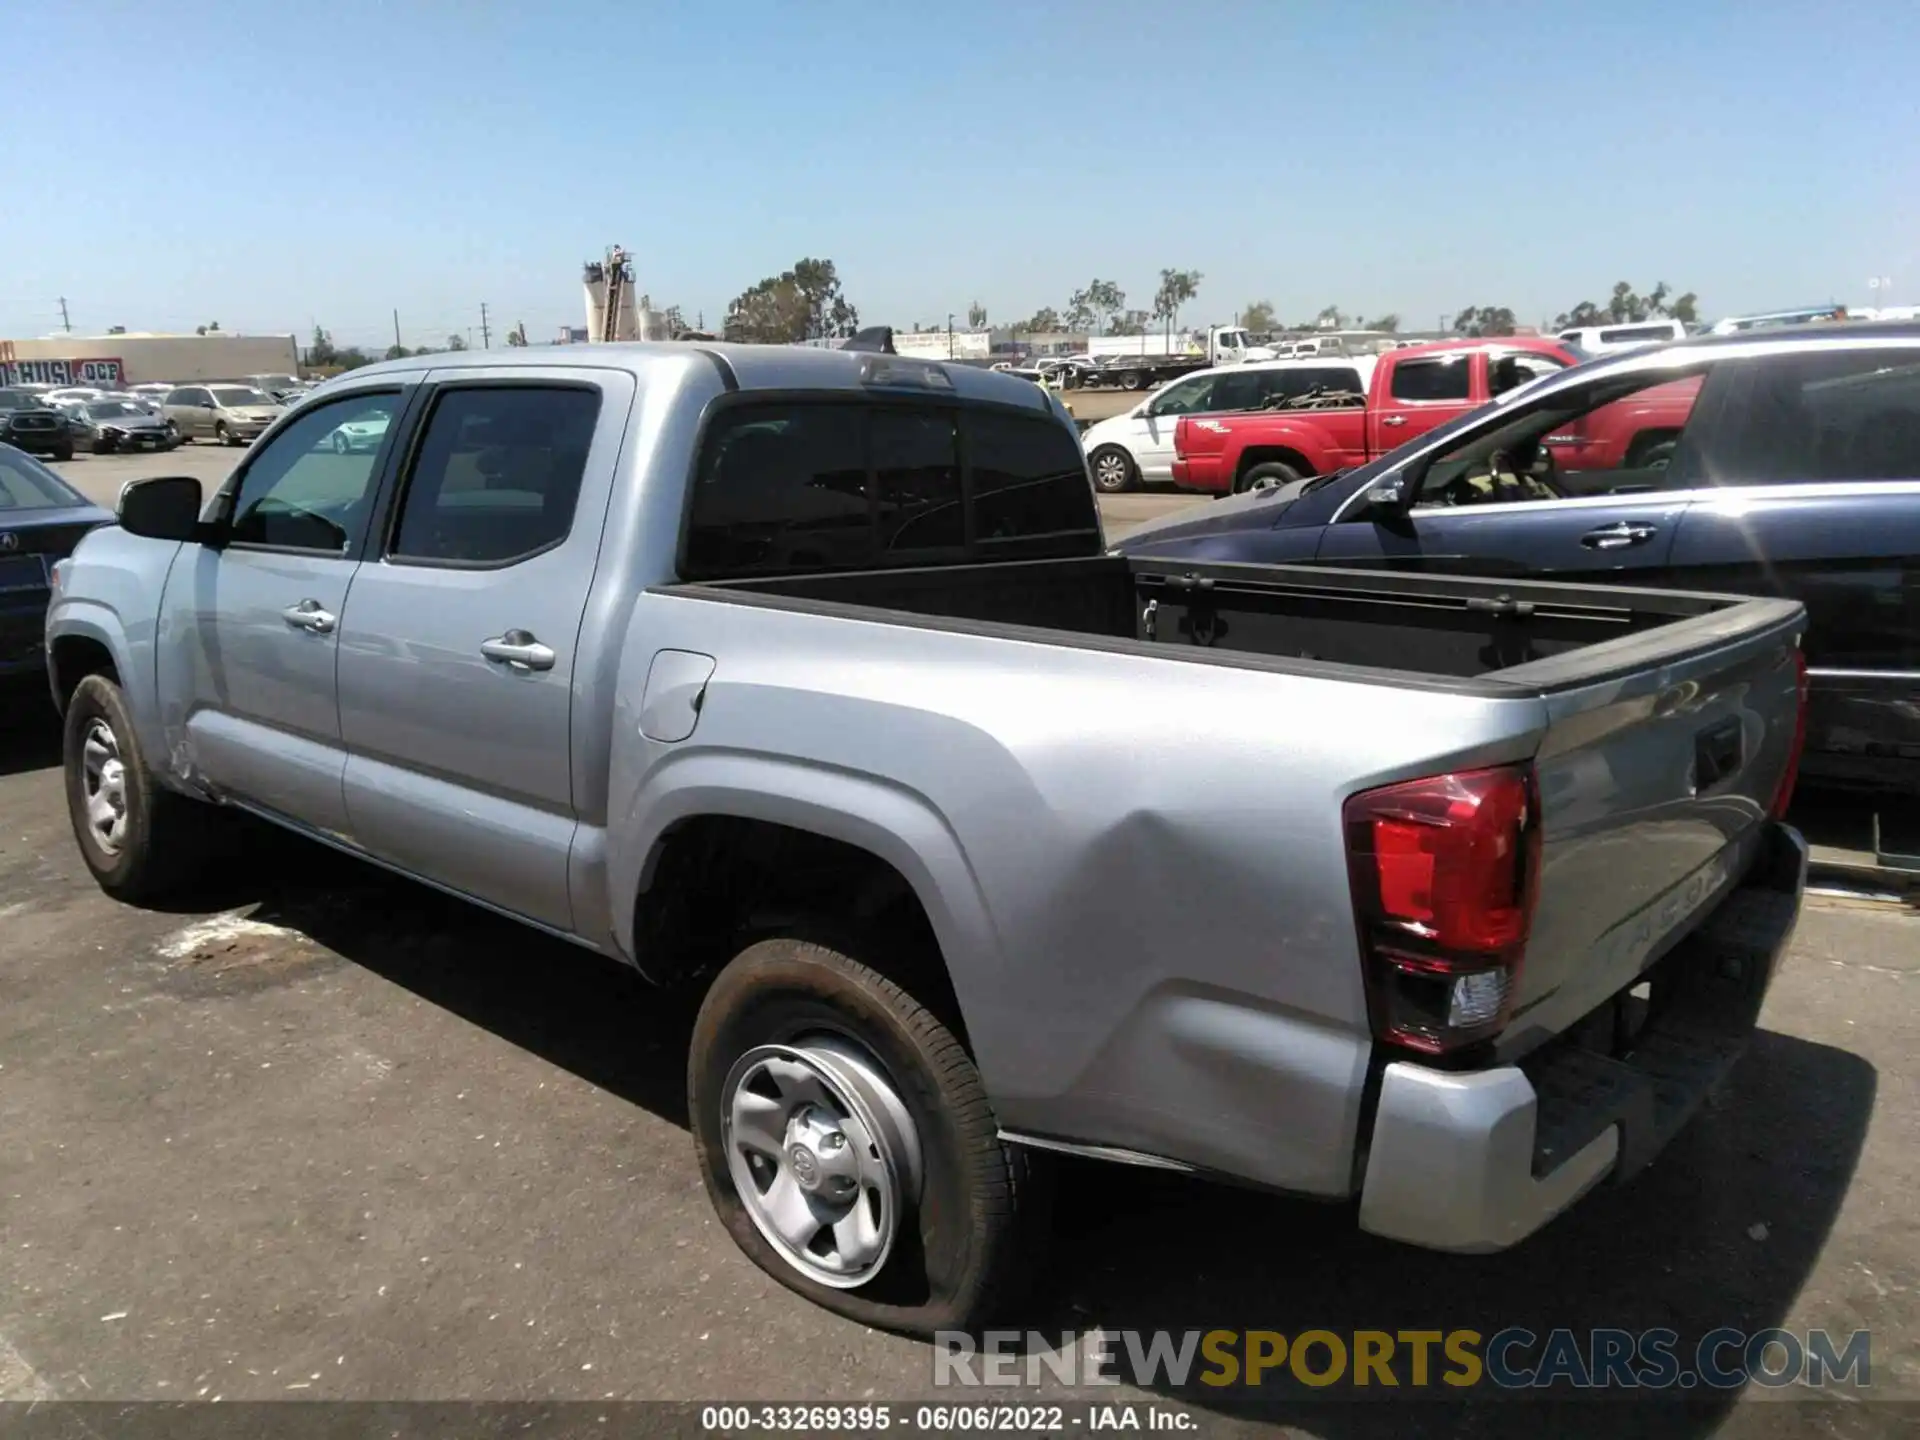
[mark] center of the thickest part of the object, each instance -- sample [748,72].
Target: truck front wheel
[847,1143]
[139,839]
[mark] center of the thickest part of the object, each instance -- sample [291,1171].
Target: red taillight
[1444,872]
[1783,794]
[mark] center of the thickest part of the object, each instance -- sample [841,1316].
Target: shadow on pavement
[1722,1230]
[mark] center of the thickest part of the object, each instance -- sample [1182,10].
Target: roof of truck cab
[1540,344]
[750,367]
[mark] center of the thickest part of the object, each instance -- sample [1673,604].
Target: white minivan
[1606,339]
[1136,448]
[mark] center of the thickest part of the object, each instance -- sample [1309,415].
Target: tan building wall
[63,359]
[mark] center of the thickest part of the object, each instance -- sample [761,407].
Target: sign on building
[61,372]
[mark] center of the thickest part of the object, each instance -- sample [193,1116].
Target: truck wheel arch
[73,656]
[1272,455]
[872,838]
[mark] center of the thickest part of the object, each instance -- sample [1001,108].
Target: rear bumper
[1478,1161]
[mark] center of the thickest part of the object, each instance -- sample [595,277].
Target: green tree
[454,342]
[1129,322]
[396,352]
[1177,287]
[1093,308]
[320,349]
[517,337]
[976,316]
[1389,323]
[804,303]
[1330,318]
[1478,320]
[1625,306]
[829,315]
[1258,315]
[770,313]
[1043,321]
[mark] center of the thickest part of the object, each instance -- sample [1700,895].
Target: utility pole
[396,329]
[949,335]
[65,323]
[486,336]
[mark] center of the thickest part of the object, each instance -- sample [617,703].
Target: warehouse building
[141,358]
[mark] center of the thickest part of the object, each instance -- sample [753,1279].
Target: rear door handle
[1618,537]
[518,650]
[308,615]
[1393,419]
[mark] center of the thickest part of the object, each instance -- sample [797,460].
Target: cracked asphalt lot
[324,1134]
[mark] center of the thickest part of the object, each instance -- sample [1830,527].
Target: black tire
[340,445]
[1132,380]
[65,452]
[956,1253]
[1264,476]
[221,433]
[1113,470]
[166,833]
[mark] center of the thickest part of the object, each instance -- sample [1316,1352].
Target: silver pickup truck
[806,676]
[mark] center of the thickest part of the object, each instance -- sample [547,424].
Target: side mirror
[166,508]
[208,405]
[1389,493]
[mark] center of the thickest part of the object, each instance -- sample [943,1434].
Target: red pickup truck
[1412,391]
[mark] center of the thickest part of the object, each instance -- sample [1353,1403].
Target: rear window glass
[789,488]
[1442,378]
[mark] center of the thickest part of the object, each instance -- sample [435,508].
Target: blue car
[41,519]
[1795,472]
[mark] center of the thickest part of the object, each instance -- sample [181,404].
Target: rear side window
[1241,390]
[1816,414]
[497,474]
[1444,377]
[795,487]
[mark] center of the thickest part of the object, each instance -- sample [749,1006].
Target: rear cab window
[796,486]
[1434,378]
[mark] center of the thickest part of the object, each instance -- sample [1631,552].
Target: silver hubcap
[823,1153]
[105,778]
[1112,471]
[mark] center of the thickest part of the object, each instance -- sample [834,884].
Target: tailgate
[1655,783]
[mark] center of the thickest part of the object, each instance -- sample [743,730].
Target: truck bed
[1407,628]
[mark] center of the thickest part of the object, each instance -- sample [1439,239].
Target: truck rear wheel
[1132,380]
[847,1143]
[139,839]
[1265,476]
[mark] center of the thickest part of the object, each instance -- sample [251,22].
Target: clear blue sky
[268,166]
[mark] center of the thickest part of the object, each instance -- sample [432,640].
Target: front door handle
[518,650]
[1393,419]
[308,615]
[1618,537]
